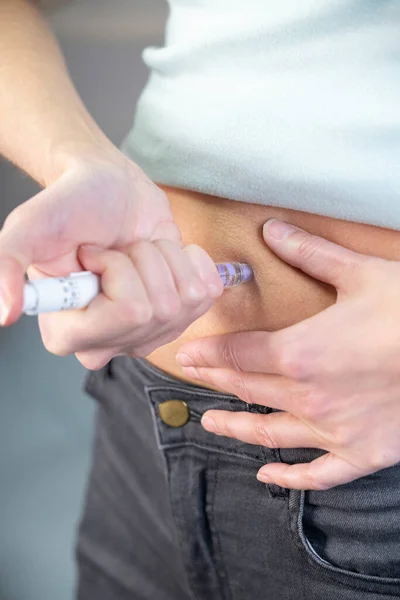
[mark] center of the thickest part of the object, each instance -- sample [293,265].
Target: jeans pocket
[352,532]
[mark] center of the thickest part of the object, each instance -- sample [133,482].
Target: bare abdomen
[279,295]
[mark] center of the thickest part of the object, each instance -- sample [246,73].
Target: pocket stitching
[329,569]
[193,392]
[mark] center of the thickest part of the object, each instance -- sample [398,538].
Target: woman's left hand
[334,376]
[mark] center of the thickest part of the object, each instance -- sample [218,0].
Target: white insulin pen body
[77,290]
[53,294]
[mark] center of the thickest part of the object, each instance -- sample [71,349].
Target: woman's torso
[280,295]
[286,109]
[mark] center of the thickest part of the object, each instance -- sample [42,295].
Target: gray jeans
[176,513]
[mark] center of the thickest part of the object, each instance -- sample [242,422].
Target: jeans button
[174,413]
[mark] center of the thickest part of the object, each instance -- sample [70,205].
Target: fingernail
[278,230]
[263,478]
[184,360]
[4,309]
[209,424]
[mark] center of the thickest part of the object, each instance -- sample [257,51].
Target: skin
[280,295]
[337,392]
[98,211]
[328,360]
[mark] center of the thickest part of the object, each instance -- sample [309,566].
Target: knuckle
[61,339]
[313,404]
[309,246]
[241,389]
[293,363]
[138,313]
[263,435]
[200,356]
[230,353]
[167,308]
[226,427]
[139,251]
[193,294]
[340,436]
[92,363]
[314,482]
[56,346]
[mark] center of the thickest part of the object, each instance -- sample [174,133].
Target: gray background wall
[45,419]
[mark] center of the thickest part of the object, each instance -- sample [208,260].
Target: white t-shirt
[292,103]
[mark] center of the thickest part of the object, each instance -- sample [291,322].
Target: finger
[206,269]
[168,230]
[60,267]
[119,279]
[155,273]
[188,283]
[33,233]
[122,305]
[97,359]
[12,271]
[276,430]
[273,391]
[315,255]
[323,473]
[249,351]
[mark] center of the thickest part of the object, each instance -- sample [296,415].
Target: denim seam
[275,490]
[180,537]
[289,510]
[227,593]
[179,533]
[179,387]
[188,440]
[173,445]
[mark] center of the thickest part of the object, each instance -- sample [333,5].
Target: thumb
[314,255]
[32,233]
[11,289]
[18,244]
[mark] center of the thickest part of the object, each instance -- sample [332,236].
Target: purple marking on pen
[234,273]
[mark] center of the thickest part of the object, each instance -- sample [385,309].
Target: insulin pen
[77,290]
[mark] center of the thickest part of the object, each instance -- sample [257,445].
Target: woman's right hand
[104,215]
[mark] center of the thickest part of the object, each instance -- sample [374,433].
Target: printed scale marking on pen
[77,290]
